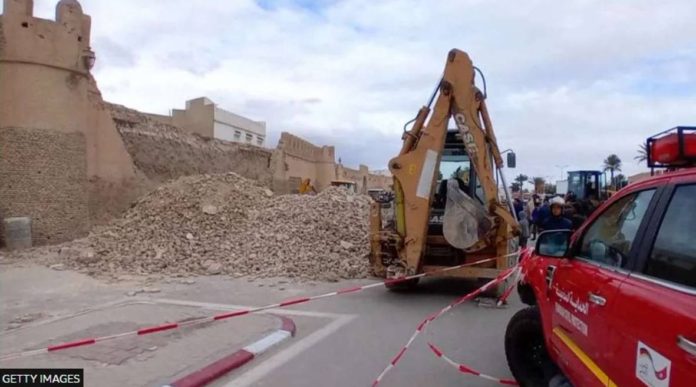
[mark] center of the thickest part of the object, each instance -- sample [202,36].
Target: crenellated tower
[60,152]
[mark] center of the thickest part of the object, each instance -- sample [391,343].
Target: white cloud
[569,82]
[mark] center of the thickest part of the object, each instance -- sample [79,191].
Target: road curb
[237,359]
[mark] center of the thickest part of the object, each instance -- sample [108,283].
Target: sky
[568,82]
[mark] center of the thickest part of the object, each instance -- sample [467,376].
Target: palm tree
[642,153]
[539,183]
[612,164]
[521,179]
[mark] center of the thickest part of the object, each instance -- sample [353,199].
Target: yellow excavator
[306,187]
[451,204]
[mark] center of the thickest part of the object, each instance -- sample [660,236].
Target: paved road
[364,331]
[341,341]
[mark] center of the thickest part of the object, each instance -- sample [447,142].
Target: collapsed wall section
[163,152]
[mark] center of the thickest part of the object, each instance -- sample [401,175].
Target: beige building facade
[202,116]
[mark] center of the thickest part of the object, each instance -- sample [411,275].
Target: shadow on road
[441,286]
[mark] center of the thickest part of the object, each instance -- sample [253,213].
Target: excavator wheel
[403,285]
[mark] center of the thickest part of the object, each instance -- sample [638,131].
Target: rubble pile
[224,223]
[163,151]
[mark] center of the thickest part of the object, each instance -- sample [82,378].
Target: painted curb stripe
[215,370]
[231,362]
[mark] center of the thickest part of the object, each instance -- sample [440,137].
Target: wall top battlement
[299,147]
[63,42]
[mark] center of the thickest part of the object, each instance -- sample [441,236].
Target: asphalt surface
[366,331]
[341,341]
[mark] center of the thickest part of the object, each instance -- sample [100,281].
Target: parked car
[613,304]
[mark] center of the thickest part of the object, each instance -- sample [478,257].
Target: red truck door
[655,321]
[584,288]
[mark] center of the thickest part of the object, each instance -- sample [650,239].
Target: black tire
[402,286]
[526,351]
[526,294]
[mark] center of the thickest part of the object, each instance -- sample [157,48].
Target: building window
[249,137]
[237,134]
[259,140]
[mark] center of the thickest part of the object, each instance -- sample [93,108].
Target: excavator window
[455,164]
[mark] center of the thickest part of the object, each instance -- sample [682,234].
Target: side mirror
[511,160]
[554,243]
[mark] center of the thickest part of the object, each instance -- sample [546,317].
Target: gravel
[226,224]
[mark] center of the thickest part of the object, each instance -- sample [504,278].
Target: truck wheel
[403,285]
[526,294]
[525,349]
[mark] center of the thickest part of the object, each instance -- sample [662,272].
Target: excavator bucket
[465,221]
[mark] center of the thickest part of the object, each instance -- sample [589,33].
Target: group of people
[554,213]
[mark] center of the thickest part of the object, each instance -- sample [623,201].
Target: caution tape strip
[503,297]
[468,370]
[500,278]
[227,315]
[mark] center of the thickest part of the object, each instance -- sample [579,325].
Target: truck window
[609,239]
[673,256]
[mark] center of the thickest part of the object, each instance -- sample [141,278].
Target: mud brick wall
[43,175]
[164,152]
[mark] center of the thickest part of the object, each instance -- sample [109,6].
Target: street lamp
[511,158]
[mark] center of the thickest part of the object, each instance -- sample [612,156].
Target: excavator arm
[414,169]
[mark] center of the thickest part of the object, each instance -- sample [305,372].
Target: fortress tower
[60,153]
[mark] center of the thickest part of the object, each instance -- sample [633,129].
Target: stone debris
[25,318]
[57,266]
[210,210]
[226,224]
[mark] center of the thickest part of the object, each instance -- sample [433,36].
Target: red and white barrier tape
[501,277]
[227,315]
[467,370]
[503,298]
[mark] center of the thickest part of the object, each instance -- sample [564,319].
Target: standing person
[543,213]
[556,221]
[524,228]
[517,204]
[534,221]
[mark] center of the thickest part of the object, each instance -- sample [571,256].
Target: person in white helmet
[556,221]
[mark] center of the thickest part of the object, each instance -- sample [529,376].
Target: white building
[203,117]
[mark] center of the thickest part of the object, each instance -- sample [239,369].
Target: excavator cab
[455,172]
[455,165]
[586,185]
[447,184]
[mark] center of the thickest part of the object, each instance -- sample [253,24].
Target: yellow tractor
[448,208]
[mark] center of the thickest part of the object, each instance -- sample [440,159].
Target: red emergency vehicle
[614,303]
